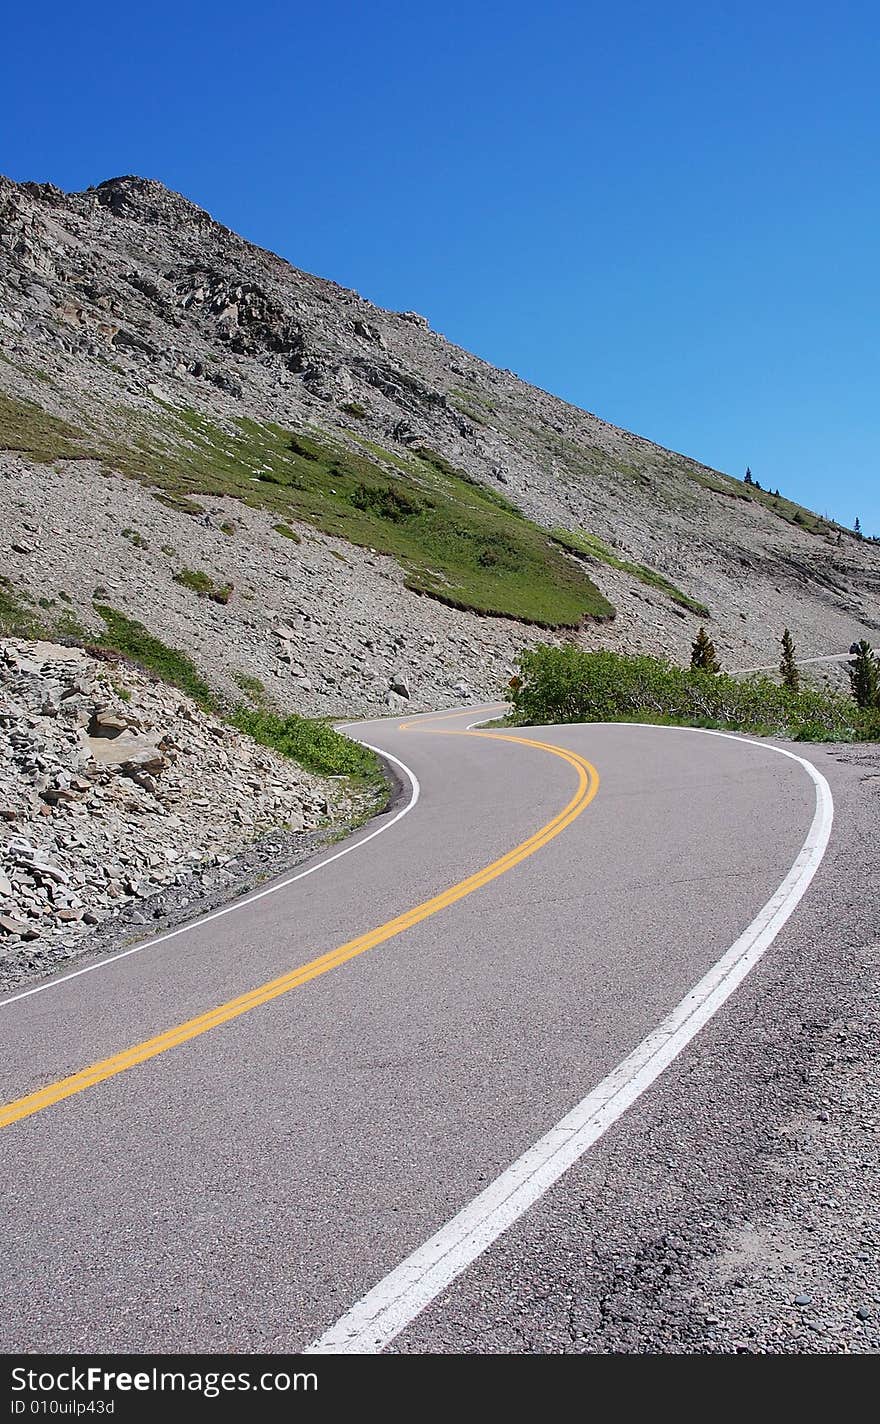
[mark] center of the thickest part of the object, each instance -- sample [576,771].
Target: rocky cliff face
[158,377]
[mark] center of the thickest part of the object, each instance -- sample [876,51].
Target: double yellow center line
[588,785]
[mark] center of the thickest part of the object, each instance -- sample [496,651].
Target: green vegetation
[476,407]
[788,667]
[703,655]
[16,621]
[456,540]
[227,527]
[356,409]
[252,687]
[287,533]
[203,585]
[179,503]
[312,742]
[20,621]
[136,538]
[570,685]
[30,430]
[581,543]
[131,639]
[864,677]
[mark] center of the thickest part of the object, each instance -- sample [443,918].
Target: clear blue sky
[666,212]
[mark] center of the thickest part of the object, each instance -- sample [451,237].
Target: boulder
[128,751]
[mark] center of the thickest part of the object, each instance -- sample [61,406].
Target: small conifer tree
[863,676]
[788,667]
[703,655]
[748,479]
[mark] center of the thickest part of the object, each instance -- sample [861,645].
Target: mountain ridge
[195,367]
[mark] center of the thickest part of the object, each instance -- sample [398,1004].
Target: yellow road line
[588,785]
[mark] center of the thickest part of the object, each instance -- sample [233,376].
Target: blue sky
[667,213]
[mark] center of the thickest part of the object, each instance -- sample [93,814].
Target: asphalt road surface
[292,1097]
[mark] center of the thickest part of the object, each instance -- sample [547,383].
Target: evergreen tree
[788,667]
[863,676]
[748,476]
[857,528]
[703,655]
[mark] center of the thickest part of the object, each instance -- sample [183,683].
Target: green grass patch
[203,585]
[287,533]
[571,685]
[19,617]
[131,639]
[16,620]
[181,504]
[456,540]
[580,542]
[313,743]
[29,430]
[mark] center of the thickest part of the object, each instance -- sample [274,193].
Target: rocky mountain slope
[122,803]
[332,502]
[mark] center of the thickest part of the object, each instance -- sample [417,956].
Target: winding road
[309,1121]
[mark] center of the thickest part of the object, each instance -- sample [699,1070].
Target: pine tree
[703,655]
[791,678]
[857,528]
[863,676]
[748,479]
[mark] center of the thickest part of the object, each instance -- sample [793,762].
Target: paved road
[243,1189]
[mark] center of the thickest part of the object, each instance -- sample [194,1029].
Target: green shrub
[287,533]
[571,685]
[384,501]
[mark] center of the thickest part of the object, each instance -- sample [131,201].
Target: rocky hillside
[122,803]
[332,507]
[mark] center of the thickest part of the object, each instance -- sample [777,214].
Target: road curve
[295,1096]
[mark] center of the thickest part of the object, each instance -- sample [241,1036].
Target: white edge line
[243,903]
[375,1320]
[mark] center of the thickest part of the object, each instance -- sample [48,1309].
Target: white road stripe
[375,1320]
[242,904]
